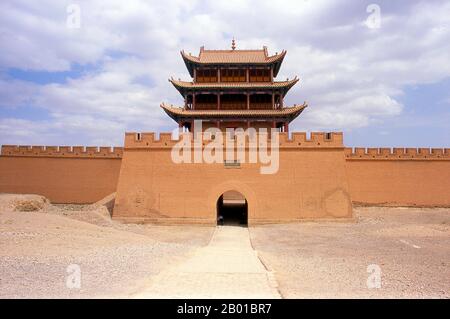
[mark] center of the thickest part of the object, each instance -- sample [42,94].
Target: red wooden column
[273,100]
[218,74]
[193,101]
[248,101]
[218,101]
[286,127]
[271,74]
[247,74]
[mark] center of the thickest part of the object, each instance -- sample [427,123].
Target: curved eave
[287,113]
[277,63]
[190,61]
[183,86]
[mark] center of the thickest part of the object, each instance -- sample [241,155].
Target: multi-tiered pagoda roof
[234,88]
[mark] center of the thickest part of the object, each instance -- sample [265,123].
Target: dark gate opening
[232,209]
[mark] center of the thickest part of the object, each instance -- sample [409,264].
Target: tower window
[260,75]
[206,75]
[232,75]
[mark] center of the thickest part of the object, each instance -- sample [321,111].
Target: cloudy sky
[82,73]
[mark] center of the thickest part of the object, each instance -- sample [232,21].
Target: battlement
[296,140]
[62,151]
[361,153]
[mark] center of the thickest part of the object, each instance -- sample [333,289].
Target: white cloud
[351,75]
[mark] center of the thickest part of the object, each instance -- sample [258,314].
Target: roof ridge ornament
[233,44]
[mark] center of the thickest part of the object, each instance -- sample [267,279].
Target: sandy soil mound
[97,214]
[93,214]
[23,203]
[108,202]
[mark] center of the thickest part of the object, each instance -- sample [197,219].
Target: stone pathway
[228,267]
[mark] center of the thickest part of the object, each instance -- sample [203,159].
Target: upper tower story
[251,66]
[234,86]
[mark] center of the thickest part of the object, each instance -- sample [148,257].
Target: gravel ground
[410,246]
[330,260]
[115,260]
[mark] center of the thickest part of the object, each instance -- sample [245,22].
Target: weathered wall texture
[400,176]
[62,174]
[311,183]
[318,178]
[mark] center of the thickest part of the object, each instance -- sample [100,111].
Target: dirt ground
[40,243]
[411,247]
[115,260]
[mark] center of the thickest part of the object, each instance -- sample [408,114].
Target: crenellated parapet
[361,153]
[150,140]
[296,140]
[314,140]
[62,151]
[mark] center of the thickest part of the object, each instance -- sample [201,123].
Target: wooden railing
[233,106]
[205,106]
[261,106]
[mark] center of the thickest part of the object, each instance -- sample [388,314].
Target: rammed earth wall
[399,176]
[62,174]
[310,182]
[317,178]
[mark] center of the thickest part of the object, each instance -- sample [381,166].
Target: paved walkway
[227,267]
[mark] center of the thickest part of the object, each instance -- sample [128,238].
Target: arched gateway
[232,209]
